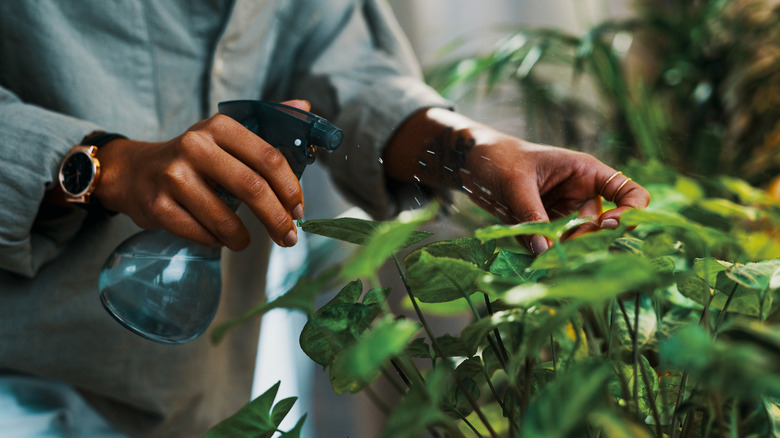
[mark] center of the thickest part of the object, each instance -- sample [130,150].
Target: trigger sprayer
[166,288]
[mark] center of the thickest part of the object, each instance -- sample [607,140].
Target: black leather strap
[100,138]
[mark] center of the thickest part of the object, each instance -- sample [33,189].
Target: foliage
[668,326]
[694,84]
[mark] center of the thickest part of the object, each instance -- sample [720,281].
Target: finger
[223,167]
[205,207]
[589,209]
[261,198]
[526,206]
[622,190]
[169,215]
[625,194]
[263,159]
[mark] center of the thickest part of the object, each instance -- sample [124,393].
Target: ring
[620,187]
[609,180]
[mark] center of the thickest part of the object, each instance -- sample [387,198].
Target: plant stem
[626,319]
[552,353]
[722,315]
[635,346]
[678,400]
[400,374]
[610,335]
[471,426]
[500,341]
[438,349]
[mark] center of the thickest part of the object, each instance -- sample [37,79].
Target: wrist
[434,147]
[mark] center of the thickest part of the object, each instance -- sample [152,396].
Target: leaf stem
[438,349]
[722,315]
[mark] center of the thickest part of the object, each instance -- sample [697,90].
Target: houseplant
[667,326]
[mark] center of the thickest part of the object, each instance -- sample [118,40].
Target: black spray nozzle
[296,133]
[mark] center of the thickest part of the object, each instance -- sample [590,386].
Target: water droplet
[467,189]
[381,161]
[448,168]
[455,208]
[483,189]
[417,178]
[422,164]
[297,142]
[417,200]
[430,152]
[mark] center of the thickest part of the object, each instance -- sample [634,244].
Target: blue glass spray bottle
[166,288]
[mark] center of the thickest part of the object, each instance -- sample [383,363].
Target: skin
[169,185]
[516,180]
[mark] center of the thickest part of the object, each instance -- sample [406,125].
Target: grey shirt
[150,69]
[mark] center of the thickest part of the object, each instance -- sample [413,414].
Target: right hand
[170,185]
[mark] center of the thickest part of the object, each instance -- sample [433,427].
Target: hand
[170,185]
[520,181]
[516,180]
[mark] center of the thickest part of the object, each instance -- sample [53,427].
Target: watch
[80,170]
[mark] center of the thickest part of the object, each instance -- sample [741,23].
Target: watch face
[77,173]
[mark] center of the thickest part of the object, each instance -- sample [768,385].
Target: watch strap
[98,139]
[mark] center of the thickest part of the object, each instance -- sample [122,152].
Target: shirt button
[219,67]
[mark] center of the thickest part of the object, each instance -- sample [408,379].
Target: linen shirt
[150,69]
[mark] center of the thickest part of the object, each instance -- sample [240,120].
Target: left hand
[519,181]
[516,180]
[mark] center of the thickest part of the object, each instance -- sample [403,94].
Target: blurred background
[660,87]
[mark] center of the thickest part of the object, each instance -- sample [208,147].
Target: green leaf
[467,249]
[594,282]
[354,230]
[625,372]
[300,297]
[510,264]
[295,432]
[583,249]
[420,348]
[664,220]
[614,426]
[440,279]
[361,363]
[386,239]
[648,322]
[337,324]
[544,418]
[554,230]
[281,409]
[741,369]
[455,402]
[474,336]
[258,418]
[419,409]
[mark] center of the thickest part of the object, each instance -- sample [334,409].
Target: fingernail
[297,212]
[609,224]
[290,239]
[538,244]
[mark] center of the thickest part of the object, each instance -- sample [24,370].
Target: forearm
[436,147]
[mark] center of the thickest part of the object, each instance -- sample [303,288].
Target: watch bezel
[83,195]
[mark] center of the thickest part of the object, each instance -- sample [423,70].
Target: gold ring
[620,188]
[609,180]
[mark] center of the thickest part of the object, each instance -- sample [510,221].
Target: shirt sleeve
[365,77]
[34,142]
